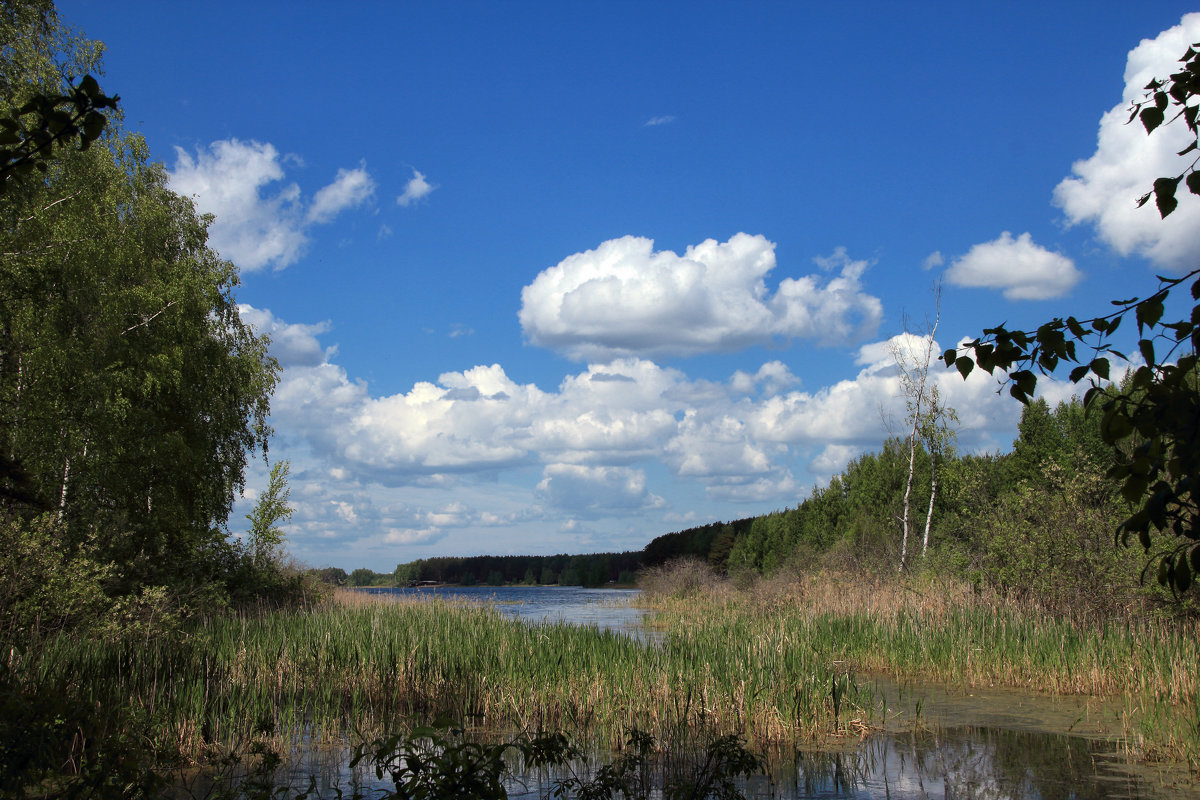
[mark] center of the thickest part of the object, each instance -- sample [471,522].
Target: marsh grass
[782,661]
[947,632]
[368,664]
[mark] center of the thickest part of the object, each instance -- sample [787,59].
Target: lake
[941,742]
[607,609]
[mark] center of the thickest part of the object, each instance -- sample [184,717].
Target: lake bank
[795,667]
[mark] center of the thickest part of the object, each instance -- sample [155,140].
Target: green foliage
[45,586]
[265,537]
[1152,424]
[592,569]
[30,133]
[364,577]
[333,576]
[130,389]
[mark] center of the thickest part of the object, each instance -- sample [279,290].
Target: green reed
[368,666]
[785,668]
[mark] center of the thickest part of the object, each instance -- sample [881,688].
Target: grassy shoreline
[776,661]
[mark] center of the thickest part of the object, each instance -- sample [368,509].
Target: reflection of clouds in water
[964,762]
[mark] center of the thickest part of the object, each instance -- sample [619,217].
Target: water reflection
[606,609]
[965,762]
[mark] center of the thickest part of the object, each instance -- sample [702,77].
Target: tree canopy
[131,391]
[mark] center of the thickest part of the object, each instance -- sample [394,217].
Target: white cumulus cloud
[1021,268]
[1103,189]
[597,437]
[625,299]
[582,489]
[259,220]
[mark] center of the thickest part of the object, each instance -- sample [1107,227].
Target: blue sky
[561,277]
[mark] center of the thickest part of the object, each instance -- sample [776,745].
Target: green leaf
[1151,118]
[1134,488]
[1193,182]
[93,125]
[1161,101]
[1148,313]
[1078,373]
[1164,195]
[1183,575]
[1115,427]
[1100,367]
[1075,328]
[1026,380]
[964,365]
[1147,348]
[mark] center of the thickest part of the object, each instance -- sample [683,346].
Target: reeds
[950,634]
[781,662]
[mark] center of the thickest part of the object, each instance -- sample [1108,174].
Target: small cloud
[261,219]
[460,330]
[415,189]
[351,187]
[932,260]
[1022,269]
[384,233]
[666,119]
[414,536]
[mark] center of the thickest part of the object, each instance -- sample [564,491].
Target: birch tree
[130,389]
[927,420]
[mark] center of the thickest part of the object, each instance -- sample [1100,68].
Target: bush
[46,584]
[679,578]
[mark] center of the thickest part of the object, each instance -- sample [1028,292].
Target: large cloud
[1022,269]
[476,450]
[592,490]
[747,430]
[1103,189]
[260,222]
[625,299]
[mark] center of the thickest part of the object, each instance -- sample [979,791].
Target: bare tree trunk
[914,379]
[62,496]
[932,496]
[912,459]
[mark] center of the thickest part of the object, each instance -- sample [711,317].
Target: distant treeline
[1037,520]
[593,569]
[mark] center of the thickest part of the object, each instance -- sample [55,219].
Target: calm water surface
[607,609]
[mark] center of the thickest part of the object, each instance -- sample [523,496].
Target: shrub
[680,577]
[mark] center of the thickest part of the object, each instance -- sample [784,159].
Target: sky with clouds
[561,277]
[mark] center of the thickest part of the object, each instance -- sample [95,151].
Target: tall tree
[928,418]
[130,389]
